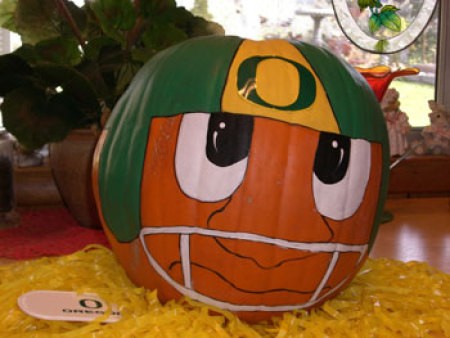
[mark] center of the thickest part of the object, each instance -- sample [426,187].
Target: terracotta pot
[71,163]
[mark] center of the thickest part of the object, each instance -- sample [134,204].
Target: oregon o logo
[91,303]
[252,80]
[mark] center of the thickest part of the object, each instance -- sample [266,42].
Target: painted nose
[275,198]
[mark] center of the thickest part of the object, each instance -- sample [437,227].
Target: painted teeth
[185,232]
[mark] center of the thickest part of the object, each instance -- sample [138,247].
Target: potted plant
[75,63]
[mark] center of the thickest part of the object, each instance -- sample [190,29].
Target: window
[8,42]
[314,21]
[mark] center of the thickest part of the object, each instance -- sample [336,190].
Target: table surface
[420,231]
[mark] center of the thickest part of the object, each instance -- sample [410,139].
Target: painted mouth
[334,250]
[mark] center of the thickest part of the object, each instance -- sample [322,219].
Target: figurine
[396,121]
[437,135]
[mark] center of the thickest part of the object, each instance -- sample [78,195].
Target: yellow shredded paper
[387,299]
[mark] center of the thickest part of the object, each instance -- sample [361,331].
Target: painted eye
[341,174]
[211,155]
[228,138]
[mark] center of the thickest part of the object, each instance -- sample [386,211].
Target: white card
[66,306]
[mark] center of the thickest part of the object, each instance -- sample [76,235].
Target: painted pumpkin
[246,175]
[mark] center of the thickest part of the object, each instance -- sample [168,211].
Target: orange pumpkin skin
[274,241]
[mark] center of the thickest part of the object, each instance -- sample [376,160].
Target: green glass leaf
[363,4]
[381,46]
[391,20]
[375,23]
[389,8]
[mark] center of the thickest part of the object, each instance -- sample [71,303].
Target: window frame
[443,64]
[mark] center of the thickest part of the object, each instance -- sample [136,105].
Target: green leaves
[386,17]
[114,15]
[390,19]
[70,82]
[374,23]
[7,9]
[363,4]
[36,119]
[36,20]
[154,8]
[381,46]
[42,103]
[75,58]
[59,50]
[15,73]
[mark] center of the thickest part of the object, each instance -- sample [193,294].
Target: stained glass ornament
[383,26]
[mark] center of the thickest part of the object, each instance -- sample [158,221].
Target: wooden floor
[419,231]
